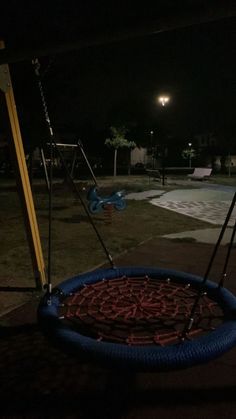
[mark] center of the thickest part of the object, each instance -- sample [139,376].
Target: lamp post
[190,154]
[163,100]
[152,149]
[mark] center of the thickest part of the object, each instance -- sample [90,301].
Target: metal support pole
[80,145]
[22,178]
[44,167]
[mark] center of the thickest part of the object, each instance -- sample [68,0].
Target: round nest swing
[133,318]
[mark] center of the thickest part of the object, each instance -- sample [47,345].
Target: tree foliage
[189,153]
[118,140]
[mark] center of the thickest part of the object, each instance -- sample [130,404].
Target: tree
[189,154]
[118,140]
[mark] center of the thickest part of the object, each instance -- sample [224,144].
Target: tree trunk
[115,160]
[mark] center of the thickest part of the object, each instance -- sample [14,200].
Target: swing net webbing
[138,311]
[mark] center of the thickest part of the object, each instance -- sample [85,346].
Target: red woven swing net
[139,311]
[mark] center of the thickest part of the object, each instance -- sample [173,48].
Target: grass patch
[75,246]
[224,180]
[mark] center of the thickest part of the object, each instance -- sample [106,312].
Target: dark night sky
[101,85]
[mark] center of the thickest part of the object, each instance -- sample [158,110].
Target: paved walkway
[206,235]
[209,203]
[205,204]
[138,196]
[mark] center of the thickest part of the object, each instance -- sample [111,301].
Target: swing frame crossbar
[77,146]
[63,145]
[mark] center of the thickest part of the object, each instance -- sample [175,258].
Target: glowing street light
[163,100]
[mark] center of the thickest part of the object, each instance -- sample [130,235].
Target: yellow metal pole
[22,178]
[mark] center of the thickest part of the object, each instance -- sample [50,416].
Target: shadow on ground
[39,380]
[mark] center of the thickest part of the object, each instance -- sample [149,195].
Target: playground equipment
[97,203]
[22,178]
[139,318]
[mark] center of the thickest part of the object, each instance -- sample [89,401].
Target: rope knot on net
[138,310]
[134,317]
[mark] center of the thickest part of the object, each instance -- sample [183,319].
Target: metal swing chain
[53,144]
[36,65]
[224,271]
[76,189]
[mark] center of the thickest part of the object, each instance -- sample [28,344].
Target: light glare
[163,100]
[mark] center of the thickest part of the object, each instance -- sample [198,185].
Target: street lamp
[190,154]
[163,100]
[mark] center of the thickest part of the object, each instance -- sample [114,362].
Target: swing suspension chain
[45,109]
[201,292]
[53,144]
[36,65]
[74,186]
[224,271]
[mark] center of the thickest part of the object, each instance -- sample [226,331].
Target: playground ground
[38,380]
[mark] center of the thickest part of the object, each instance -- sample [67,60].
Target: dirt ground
[38,380]
[75,247]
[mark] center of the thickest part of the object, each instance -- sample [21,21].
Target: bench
[200,173]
